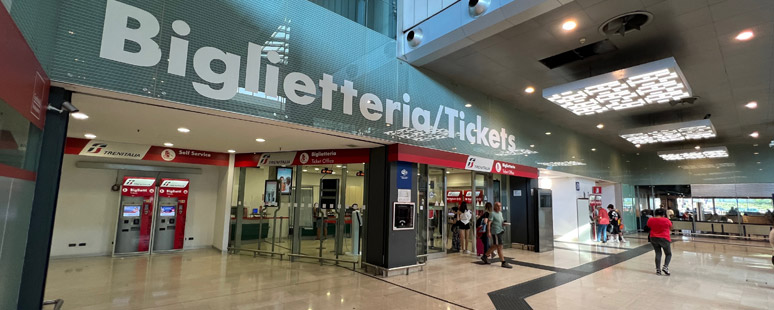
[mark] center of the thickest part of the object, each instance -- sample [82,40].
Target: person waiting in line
[495,232]
[481,228]
[454,222]
[660,228]
[615,223]
[602,221]
[464,216]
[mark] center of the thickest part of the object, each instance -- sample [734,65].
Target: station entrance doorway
[441,194]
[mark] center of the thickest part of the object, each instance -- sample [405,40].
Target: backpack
[481,227]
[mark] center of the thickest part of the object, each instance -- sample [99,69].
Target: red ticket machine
[170,220]
[135,215]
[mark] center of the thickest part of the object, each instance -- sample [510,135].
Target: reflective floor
[706,274]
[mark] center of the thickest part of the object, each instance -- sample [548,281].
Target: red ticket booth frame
[138,187]
[177,188]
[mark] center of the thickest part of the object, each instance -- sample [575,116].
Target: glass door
[435,215]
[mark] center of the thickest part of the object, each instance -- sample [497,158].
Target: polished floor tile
[707,274]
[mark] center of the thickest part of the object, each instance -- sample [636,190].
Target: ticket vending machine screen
[167,211]
[132,211]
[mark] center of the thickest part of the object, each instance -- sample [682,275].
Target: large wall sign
[110,149]
[297,62]
[409,153]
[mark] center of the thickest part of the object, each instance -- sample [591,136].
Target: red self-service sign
[177,188]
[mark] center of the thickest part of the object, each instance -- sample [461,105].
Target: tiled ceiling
[724,73]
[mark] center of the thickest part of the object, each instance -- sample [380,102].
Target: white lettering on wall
[298,87]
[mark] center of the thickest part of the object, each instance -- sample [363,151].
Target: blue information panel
[404,175]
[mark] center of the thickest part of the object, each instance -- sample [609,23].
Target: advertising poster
[284,176]
[270,196]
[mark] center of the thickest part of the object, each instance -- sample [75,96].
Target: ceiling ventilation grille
[625,23]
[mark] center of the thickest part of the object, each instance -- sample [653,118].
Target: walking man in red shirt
[660,227]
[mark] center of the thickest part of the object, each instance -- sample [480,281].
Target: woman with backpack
[464,217]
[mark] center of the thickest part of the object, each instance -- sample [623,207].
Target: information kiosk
[169,233]
[135,216]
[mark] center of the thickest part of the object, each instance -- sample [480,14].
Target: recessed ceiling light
[260,140]
[697,147]
[755,134]
[569,25]
[756,153]
[529,90]
[531,145]
[338,166]
[759,163]
[745,35]
[183,130]
[637,145]
[468,105]
[90,136]
[651,83]
[600,126]
[692,130]
[756,144]
[304,170]
[593,150]
[751,105]
[79,115]
[710,152]
[316,168]
[232,151]
[548,133]
[167,144]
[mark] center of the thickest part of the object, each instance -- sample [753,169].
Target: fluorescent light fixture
[232,151]
[79,115]
[692,130]
[90,136]
[260,140]
[167,144]
[468,105]
[710,152]
[655,82]
[569,163]
[751,105]
[707,166]
[417,135]
[548,133]
[183,130]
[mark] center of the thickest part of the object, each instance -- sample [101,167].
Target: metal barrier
[57,303]
[321,259]
[255,252]
[385,272]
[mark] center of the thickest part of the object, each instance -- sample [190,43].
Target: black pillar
[41,226]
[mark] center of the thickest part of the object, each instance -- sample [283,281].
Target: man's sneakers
[666,270]
[484,259]
[506,265]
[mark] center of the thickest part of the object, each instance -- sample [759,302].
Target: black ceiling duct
[583,52]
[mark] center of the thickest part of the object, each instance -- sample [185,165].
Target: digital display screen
[167,211]
[284,177]
[131,211]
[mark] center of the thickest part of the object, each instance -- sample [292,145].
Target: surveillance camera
[66,107]
[478,7]
[69,107]
[414,37]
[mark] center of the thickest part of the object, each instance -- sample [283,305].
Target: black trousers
[660,244]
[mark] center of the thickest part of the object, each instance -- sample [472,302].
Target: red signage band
[23,85]
[304,158]
[78,146]
[415,154]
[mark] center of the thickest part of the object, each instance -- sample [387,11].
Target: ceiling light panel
[693,130]
[651,83]
[710,152]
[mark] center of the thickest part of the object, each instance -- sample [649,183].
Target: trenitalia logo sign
[115,150]
[298,87]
